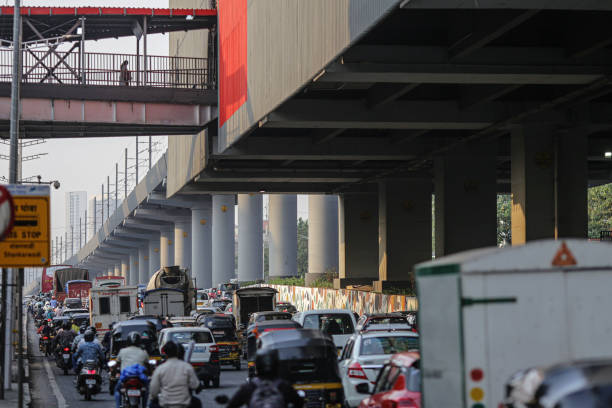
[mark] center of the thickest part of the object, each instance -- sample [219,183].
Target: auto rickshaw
[224,331]
[307,358]
[257,329]
[119,337]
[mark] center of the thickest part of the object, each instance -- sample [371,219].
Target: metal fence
[105,69]
[605,235]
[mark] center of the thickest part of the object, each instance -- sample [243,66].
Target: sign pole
[19,279]
[3,330]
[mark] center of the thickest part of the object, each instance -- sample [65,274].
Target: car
[285,307]
[365,355]
[265,316]
[182,321]
[151,318]
[220,303]
[72,312]
[73,303]
[338,323]
[577,384]
[205,355]
[368,320]
[397,385]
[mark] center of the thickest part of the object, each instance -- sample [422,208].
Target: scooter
[133,392]
[89,380]
[63,359]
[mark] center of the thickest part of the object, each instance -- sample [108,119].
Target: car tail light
[66,349]
[45,338]
[355,371]
[214,349]
[90,371]
[389,404]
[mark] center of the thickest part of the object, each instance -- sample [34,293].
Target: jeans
[118,395]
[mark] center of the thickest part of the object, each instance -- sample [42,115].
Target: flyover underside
[425,81]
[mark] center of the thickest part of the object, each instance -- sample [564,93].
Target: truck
[250,300]
[46,280]
[78,289]
[158,298]
[111,304]
[486,314]
[108,281]
[61,276]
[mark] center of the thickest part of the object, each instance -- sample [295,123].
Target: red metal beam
[106,11]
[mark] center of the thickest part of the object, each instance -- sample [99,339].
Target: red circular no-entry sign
[7,212]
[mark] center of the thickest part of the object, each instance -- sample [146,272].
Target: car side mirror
[363,388]
[221,399]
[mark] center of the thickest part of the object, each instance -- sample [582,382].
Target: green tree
[504,219]
[302,246]
[600,209]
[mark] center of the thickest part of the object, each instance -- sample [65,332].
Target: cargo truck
[78,289]
[108,305]
[488,313]
[164,289]
[62,276]
[164,302]
[46,281]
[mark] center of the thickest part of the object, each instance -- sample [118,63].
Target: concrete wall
[289,43]
[358,301]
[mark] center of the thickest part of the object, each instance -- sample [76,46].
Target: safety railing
[76,68]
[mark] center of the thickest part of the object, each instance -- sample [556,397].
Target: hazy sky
[83,164]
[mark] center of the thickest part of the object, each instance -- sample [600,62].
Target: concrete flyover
[404,99]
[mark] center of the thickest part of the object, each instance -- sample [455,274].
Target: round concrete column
[125,269]
[250,238]
[166,247]
[322,236]
[182,244]
[117,271]
[223,244]
[283,235]
[201,246]
[143,264]
[110,271]
[134,268]
[153,256]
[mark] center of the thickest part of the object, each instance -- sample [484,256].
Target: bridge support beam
[125,269]
[133,271]
[357,240]
[201,245]
[466,199]
[143,264]
[166,247]
[182,243]
[322,236]
[404,230]
[118,271]
[154,261]
[283,235]
[250,237]
[223,244]
[549,183]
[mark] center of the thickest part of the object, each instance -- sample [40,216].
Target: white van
[488,313]
[339,323]
[108,305]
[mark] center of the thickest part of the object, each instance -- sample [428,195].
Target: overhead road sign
[28,243]
[7,212]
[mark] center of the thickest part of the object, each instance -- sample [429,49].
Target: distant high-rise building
[76,205]
[94,215]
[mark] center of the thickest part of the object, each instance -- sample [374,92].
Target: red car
[398,384]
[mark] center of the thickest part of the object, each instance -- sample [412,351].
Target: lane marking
[61,401]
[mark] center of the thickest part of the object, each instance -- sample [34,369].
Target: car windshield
[330,323]
[275,317]
[220,304]
[386,320]
[388,345]
[188,336]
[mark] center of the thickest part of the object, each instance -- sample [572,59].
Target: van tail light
[66,349]
[355,371]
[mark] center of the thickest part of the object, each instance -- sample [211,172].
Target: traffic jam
[482,338]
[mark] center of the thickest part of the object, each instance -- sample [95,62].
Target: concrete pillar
[110,271]
[125,269]
[182,244]
[404,231]
[283,235]
[357,239]
[166,247]
[143,264]
[250,237]
[533,207]
[223,244]
[118,271]
[154,251]
[322,236]
[201,245]
[466,198]
[572,184]
[133,271]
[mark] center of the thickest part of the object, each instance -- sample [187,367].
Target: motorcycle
[44,345]
[133,392]
[89,380]
[63,359]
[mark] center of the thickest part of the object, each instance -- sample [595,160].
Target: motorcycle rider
[88,350]
[129,357]
[107,338]
[64,337]
[267,387]
[94,331]
[173,381]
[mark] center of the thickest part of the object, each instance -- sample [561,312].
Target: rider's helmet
[134,338]
[67,325]
[93,329]
[266,363]
[82,329]
[89,336]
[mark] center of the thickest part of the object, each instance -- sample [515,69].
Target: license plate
[66,355]
[90,381]
[133,393]
[199,349]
